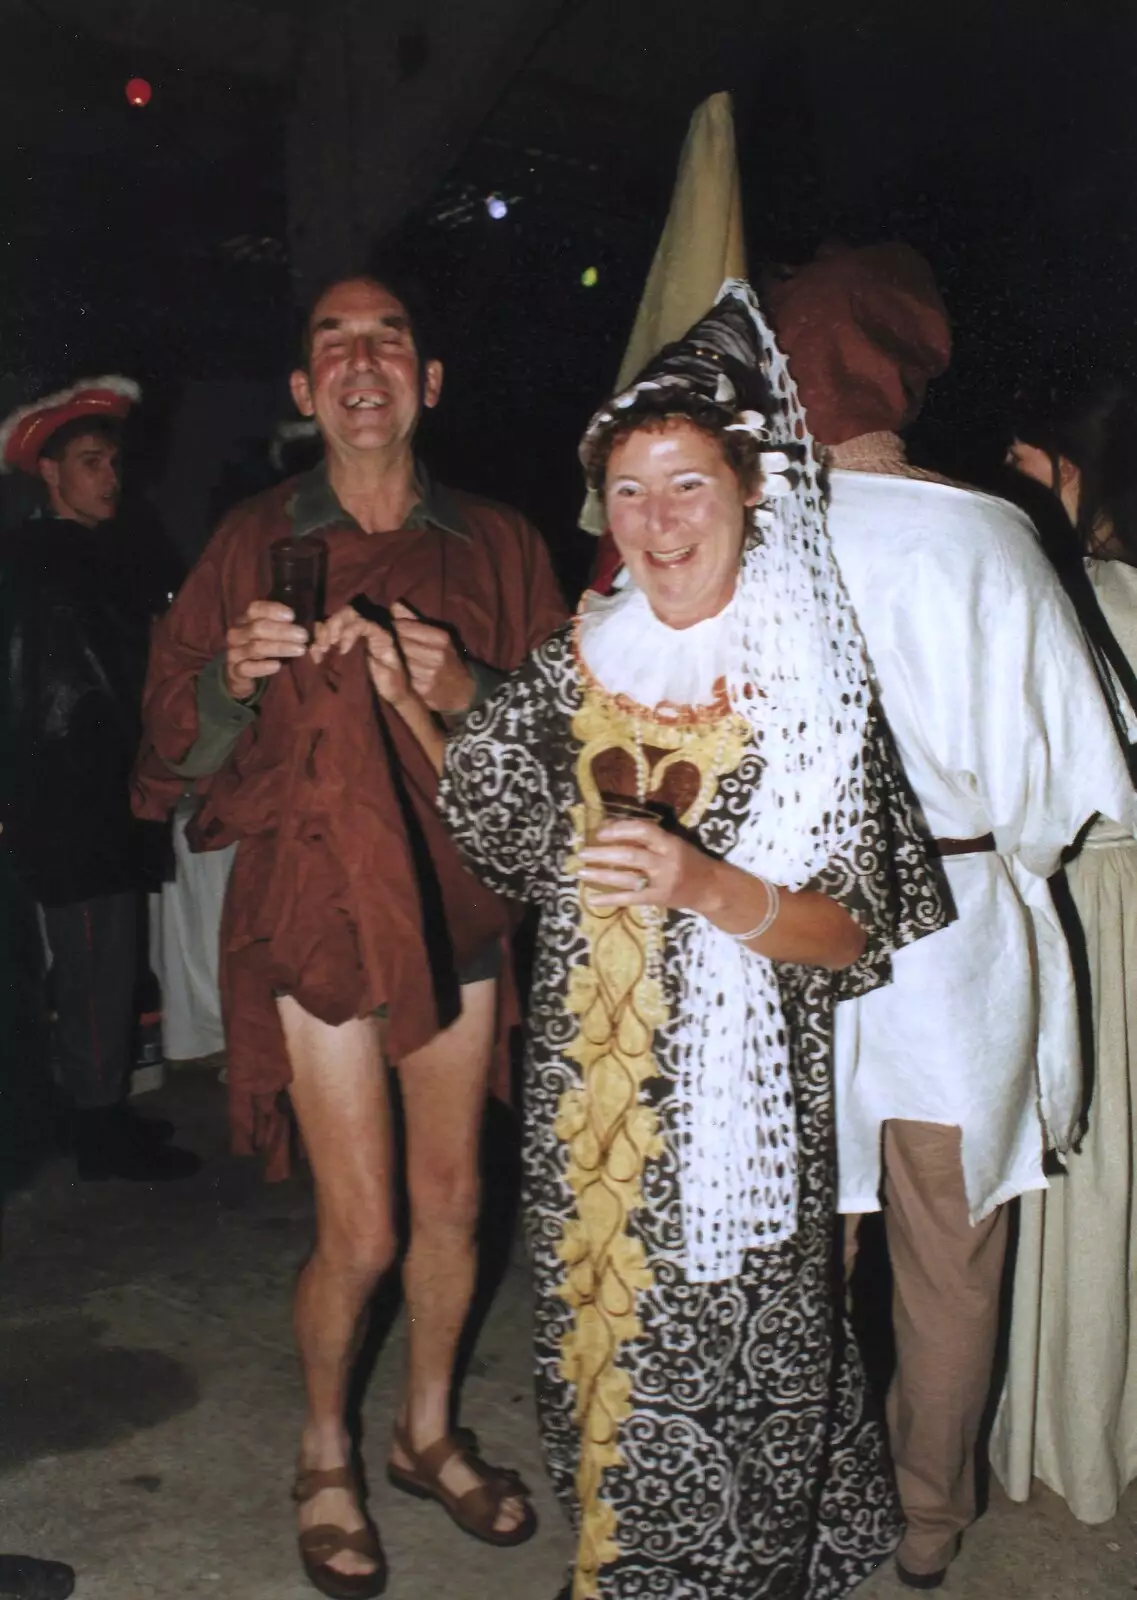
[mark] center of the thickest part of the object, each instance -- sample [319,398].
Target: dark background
[999,139]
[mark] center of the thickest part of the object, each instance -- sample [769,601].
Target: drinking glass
[299,577]
[616,808]
[611,808]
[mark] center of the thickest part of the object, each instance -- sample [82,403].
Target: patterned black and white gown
[710,1441]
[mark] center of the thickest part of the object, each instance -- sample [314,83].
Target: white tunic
[185,946]
[986,681]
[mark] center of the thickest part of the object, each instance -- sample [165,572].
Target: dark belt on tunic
[965,847]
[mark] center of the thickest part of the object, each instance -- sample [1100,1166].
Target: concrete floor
[149,1404]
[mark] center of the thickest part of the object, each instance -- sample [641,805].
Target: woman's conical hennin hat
[701,246]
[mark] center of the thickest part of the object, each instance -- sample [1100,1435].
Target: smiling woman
[677,509]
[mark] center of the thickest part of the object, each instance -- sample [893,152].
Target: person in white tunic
[1068,1413]
[952,1081]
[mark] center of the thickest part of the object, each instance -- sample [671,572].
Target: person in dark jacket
[74,629]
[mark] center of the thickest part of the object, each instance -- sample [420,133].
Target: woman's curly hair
[651,411]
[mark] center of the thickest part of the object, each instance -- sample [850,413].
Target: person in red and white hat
[71,440]
[75,618]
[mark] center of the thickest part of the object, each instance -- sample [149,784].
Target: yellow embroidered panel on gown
[610,1132]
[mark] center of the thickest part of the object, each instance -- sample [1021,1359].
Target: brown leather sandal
[325,1541]
[476,1511]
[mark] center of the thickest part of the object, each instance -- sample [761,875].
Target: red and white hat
[26,431]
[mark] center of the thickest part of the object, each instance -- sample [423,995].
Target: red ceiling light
[138,92]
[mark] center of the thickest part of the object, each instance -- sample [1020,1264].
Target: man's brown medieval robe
[346,892]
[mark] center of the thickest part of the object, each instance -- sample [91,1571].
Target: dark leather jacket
[74,629]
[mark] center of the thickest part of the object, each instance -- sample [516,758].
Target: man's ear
[431,384]
[302,393]
[49,471]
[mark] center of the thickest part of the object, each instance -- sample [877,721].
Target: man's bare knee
[445,1199]
[356,1236]
[358,1252]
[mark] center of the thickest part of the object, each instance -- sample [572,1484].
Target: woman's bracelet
[773,906]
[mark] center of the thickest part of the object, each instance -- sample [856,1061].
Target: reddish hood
[865,332]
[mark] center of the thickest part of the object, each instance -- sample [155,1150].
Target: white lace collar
[630,652]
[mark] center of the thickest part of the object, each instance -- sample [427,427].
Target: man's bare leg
[339,1094]
[444,1096]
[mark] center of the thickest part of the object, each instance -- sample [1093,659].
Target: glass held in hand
[597,815]
[299,578]
[616,808]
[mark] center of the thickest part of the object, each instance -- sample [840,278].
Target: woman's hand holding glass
[637,863]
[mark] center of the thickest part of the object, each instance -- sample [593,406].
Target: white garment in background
[1068,1412]
[185,929]
[1002,729]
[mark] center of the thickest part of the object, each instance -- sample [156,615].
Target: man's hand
[343,630]
[258,645]
[438,674]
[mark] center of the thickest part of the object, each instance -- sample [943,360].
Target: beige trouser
[947,1277]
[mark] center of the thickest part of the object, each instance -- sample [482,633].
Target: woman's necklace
[705,794]
[653,917]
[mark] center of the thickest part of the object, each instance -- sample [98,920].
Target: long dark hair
[1092,423]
